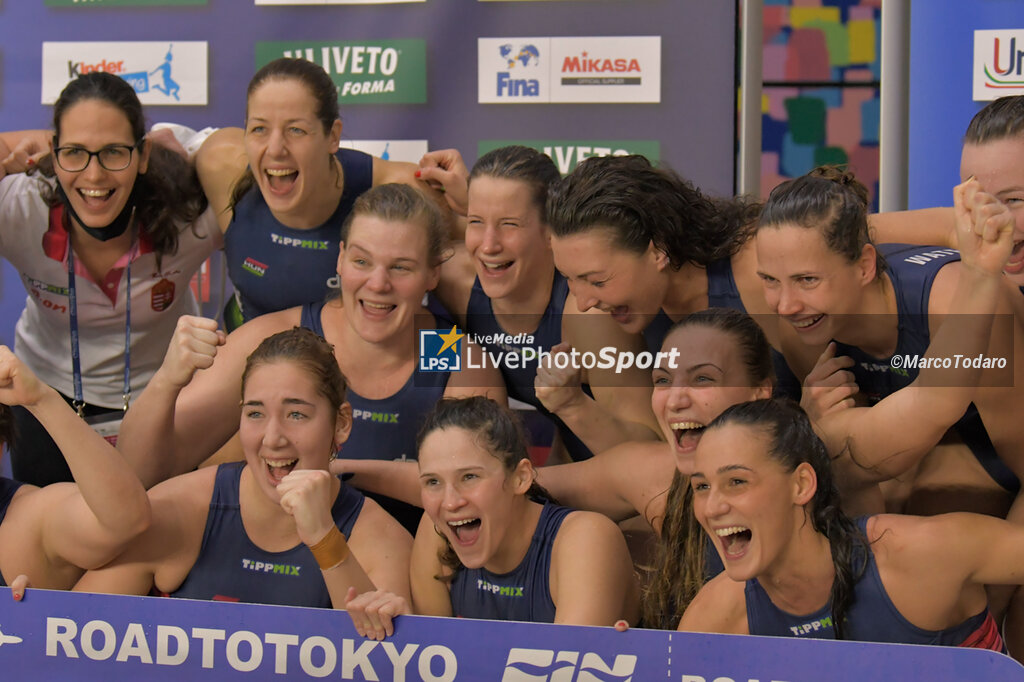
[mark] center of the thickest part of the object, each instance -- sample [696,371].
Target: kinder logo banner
[390,150]
[75,636]
[366,72]
[160,72]
[998,64]
[122,3]
[567,154]
[598,69]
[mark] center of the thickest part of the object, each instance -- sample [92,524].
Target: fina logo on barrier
[562,70]
[440,350]
[160,72]
[544,665]
[998,64]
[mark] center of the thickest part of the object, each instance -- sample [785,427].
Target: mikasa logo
[544,665]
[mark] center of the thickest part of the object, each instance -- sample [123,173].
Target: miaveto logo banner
[366,72]
[567,154]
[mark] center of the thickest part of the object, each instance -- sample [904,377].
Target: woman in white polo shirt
[106,237]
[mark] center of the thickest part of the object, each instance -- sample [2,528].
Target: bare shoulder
[456,283]
[187,491]
[720,606]
[376,524]
[251,334]
[393,171]
[585,527]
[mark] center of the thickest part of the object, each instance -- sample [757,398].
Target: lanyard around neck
[76,363]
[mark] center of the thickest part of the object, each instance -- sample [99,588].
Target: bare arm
[375,556]
[430,597]
[891,436]
[384,548]
[932,226]
[178,422]
[719,607]
[88,525]
[17,148]
[590,559]
[166,552]
[399,479]
[408,174]
[619,484]
[620,410]
[220,163]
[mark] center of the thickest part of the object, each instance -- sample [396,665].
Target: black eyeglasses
[114,157]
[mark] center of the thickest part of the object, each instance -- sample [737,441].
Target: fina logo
[544,665]
[440,350]
[527,56]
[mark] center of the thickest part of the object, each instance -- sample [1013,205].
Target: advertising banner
[366,72]
[567,154]
[172,72]
[613,69]
[64,635]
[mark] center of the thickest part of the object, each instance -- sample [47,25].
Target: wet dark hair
[498,430]
[830,199]
[320,87]
[394,202]
[642,204]
[792,441]
[1000,119]
[678,570]
[755,351]
[310,351]
[522,164]
[167,196]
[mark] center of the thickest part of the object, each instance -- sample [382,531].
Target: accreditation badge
[107,425]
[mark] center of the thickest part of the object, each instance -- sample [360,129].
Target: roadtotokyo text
[607,358]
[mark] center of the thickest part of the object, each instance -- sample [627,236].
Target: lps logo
[544,665]
[161,73]
[998,63]
[440,350]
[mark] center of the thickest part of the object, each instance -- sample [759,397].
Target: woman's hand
[830,386]
[193,347]
[23,156]
[18,587]
[558,388]
[445,171]
[308,495]
[984,228]
[372,613]
[18,385]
